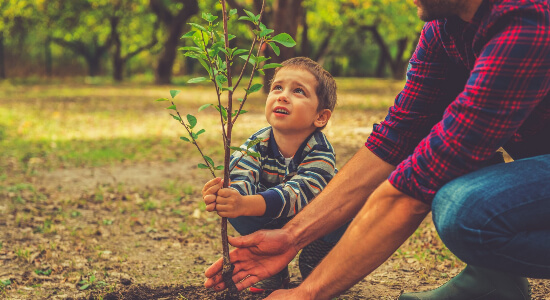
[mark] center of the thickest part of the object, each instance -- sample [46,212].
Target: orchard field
[100,199]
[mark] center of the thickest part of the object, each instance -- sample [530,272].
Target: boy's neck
[289,143]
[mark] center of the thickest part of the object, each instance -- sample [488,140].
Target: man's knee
[456,222]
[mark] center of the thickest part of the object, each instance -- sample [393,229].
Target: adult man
[478,80]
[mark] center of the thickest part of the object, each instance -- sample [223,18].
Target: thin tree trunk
[384,56]
[305,49]
[48,57]
[287,14]
[118,61]
[2,66]
[175,24]
[399,65]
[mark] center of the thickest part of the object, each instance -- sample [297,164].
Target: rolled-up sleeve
[511,76]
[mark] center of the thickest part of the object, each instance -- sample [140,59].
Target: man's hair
[326,86]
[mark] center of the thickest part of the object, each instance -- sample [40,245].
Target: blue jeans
[247,225]
[499,217]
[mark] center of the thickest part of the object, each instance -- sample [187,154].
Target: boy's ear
[322,118]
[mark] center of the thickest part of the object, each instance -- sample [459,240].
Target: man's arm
[264,253]
[387,219]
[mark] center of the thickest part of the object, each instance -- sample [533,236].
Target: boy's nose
[282,98]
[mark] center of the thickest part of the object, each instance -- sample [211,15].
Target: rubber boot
[477,283]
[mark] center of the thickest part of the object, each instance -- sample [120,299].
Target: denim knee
[457,225]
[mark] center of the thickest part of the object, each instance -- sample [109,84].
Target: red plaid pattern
[471,88]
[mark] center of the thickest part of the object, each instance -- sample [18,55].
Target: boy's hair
[326,86]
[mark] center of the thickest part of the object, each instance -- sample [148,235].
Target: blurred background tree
[125,38]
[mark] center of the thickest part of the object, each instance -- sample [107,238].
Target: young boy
[296,162]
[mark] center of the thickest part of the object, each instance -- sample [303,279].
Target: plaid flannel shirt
[471,88]
[286,190]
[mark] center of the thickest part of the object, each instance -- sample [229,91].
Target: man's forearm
[341,199]
[388,218]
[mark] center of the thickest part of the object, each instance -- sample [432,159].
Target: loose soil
[138,231]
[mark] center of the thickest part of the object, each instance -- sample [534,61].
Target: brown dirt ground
[133,232]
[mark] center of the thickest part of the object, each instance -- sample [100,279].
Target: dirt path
[131,231]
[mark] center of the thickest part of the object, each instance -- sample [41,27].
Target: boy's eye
[277,87]
[300,91]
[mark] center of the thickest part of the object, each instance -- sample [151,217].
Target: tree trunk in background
[94,65]
[48,57]
[399,64]
[118,60]
[384,56]
[174,25]
[91,53]
[2,66]
[324,48]
[305,49]
[287,16]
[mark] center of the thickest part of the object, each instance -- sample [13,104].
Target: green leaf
[265,32]
[230,36]
[221,79]
[224,113]
[271,66]
[284,39]
[254,154]
[184,139]
[200,132]
[173,93]
[209,17]
[5,282]
[199,27]
[162,99]
[275,48]
[192,121]
[256,87]
[239,51]
[205,106]
[246,19]
[209,160]
[203,166]
[176,117]
[84,286]
[252,60]
[227,88]
[235,148]
[196,49]
[249,13]
[205,66]
[219,168]
[188,35]
[196,80]
[236,111]
[260,59]
[253,143]
[240,99]
[173,106]
[233,12]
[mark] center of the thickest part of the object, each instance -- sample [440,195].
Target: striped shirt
[471,88]
[286,190]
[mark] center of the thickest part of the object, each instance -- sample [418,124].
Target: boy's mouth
[281,110]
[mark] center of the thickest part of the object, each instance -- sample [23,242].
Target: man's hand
[258,256]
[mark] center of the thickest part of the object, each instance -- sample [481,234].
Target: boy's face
[291,105]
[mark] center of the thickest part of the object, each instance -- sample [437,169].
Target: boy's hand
[230,203]
[209,192]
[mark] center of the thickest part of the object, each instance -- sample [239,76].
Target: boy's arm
[313,174]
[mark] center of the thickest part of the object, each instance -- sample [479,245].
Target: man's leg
[497,220]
